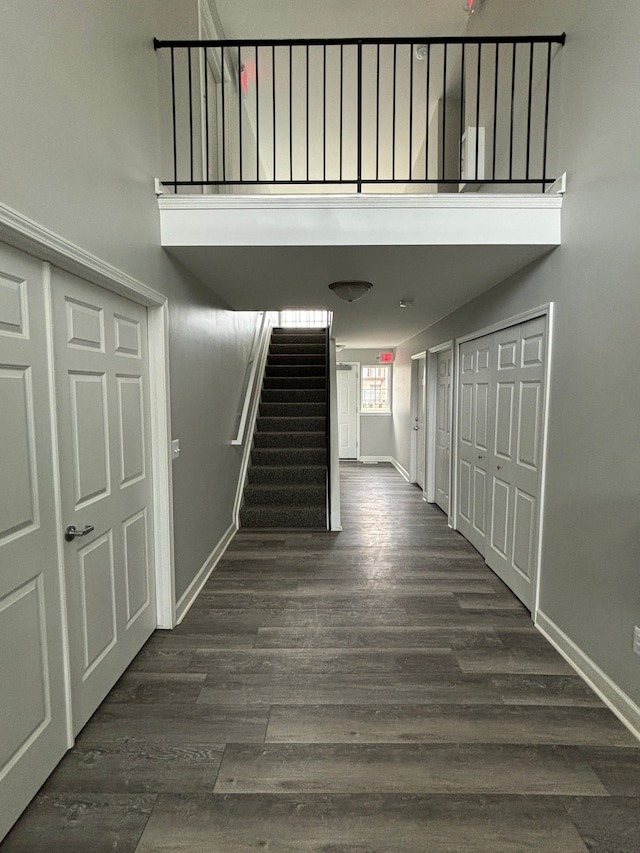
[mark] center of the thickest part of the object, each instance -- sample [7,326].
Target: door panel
[443,429]
[101,367]
[500,444]
[348,410]
[474,437]
[512,549]
[32,689]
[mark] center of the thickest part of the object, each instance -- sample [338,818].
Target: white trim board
[616,699]
[373,460]
[195,587]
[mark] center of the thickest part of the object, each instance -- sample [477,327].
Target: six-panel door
[101,369]
[443,428]
[33,734]
[348,413]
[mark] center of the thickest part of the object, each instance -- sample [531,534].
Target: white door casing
[101,369]
[444,361]
[418,422]
[33,720]
[347,381]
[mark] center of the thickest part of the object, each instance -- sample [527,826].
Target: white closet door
[33,734]
[348,412]
[443,428]
[101,366]
[473,442]
[517,403]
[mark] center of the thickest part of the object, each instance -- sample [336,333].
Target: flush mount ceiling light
[350,291]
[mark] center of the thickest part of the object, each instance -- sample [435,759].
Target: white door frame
[432,398]
[356,366]
[413,458]
[25,234]
[547,311]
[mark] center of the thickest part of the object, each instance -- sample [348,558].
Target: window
[305,319]
[376,389]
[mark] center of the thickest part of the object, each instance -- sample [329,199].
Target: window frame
[376,412]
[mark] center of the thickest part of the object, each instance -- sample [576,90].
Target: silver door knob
[71,533]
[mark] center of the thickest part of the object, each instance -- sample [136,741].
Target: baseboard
[193,590]
[371,460]
[399,468]
[622,705]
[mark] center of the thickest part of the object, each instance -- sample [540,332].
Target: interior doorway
[348,384]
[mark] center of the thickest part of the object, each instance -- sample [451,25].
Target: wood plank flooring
[373,691]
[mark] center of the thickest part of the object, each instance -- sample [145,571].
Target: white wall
[79,150]
[590,580]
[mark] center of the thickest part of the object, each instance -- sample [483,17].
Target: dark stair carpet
[286,485]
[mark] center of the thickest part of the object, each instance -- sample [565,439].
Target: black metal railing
[431,114]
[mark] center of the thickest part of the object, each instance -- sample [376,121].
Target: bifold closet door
[443,428]
[33,734]
[517,406]
[101,369]
[473,440]
[500,422]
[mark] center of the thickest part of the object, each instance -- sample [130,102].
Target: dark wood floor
[374,690]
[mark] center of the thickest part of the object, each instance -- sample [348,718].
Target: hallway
[377,690]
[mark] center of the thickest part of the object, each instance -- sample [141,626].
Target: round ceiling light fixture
[350,291]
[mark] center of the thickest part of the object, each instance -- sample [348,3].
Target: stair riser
[293,410]
[291,424]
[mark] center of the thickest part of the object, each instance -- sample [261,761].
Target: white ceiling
[438,278]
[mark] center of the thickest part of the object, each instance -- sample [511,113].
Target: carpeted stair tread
[289,456]
[293,410]
[280,424]
[277,474]
[293,395]
[300,383]
[278,348]
[283,516]
[304,494]
[292,359]
[297,370]
[302,439]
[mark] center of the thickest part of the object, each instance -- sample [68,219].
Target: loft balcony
[417,154]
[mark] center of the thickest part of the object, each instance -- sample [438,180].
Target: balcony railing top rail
[407,114]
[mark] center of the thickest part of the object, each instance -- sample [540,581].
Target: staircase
[287,480]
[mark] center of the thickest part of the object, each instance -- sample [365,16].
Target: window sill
[376,414]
